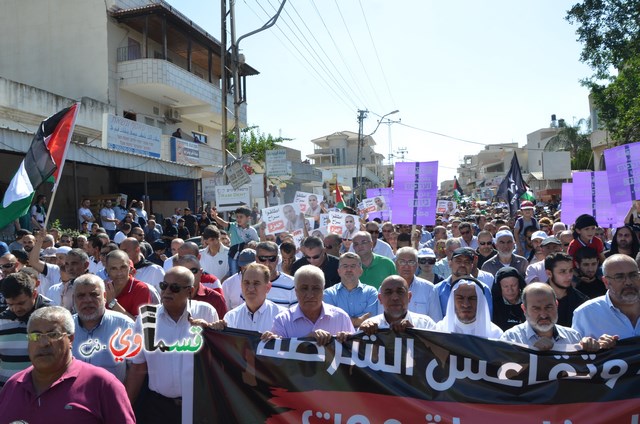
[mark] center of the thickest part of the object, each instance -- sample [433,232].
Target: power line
[364,68]
[337,48]
[307,46]
[300,57]
[386,82]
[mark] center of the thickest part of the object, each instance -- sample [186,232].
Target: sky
[462,73]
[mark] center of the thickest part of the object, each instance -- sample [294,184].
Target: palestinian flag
[457,190]
[339,202]
[44,159]
[528,195]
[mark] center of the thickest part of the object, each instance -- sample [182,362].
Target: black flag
[512,187]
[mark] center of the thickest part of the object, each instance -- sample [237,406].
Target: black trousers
[158,409]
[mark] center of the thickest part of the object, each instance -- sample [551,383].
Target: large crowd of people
[530,279]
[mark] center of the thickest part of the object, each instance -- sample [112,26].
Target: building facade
[142,71]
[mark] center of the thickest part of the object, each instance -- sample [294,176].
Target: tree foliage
[255,143]
[576,140]
[610,33]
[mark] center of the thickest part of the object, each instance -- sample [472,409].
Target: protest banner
[282,218]
[308,203]
[447,206]
[415,191]
[237,175]
[374,204]
[413,377]
[567,212]
[387,193]
[623,170]
[336,222]
[228,198]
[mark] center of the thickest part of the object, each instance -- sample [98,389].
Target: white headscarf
[482,326]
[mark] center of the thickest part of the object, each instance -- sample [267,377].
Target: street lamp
[361,115]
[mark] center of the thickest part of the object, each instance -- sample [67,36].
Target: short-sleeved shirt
[241,235]
[213,298]
[83,394]
[524,334]
[85,340]
[134,294]
[599,316]
[419,321]
[577,244]
[261,320]
[232,290]
[357,302]
[109,214]
[379,269]
[171,372]
[282,291]
[217,264]
[293,323]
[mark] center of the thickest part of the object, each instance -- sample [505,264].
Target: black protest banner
[414,377]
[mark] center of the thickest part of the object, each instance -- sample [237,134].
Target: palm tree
[575,140]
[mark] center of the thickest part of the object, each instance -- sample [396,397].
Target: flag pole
[60,168]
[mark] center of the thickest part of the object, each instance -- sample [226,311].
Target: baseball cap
[63,250]
[49,252]
[539,235]
[246,257]
[158,244]
[550,240]
[464,251]
[504,233]
[4,249]
[425,252]
[526,205]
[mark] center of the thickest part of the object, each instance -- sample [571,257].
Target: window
[129,115]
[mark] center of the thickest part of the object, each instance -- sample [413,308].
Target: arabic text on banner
[405,377]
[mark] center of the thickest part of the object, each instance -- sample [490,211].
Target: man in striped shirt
[282,291]
[22,298]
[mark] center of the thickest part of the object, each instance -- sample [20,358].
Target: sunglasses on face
[194,271]
[9,265]
[267,258]
[484,243]
[175,288]
[313,257]
[425,261]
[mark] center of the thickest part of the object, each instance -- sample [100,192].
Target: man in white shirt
[467,239]
[215,256]
[424,299]
[170,373]
[257,312]
[395,296]
[108,219]
[85,214]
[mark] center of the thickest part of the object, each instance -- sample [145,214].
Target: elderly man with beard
[95,325]
[505,256]
[541,331]
[462,264]
[468,311]
[615,315]
[394,296]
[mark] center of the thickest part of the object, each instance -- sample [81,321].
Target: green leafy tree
[610,33]
[255,143]
[576,140]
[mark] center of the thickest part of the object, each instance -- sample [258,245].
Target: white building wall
[38,48]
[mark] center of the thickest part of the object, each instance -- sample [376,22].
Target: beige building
[337,155]
[142,70]
[480,175]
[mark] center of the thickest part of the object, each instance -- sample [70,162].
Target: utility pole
[362,114]
[223,83]
[389,122]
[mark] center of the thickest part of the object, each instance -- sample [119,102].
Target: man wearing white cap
[505,257]
[536,247]
[50,274]
[468,312]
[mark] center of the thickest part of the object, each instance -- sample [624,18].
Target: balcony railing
[128,53]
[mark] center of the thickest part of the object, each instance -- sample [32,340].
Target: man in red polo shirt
[125,294]
[200,291]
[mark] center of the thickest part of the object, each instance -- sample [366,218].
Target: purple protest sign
[567,214]
[591,195]
[623,170]
[415,192]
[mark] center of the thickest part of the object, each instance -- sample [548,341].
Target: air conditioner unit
[172,115]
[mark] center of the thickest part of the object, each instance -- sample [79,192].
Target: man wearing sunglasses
[58,387]
[485,248]
[282,291]
[170,373]
[22,297]
[200,291]
[315,254]
[467,239]
[616,315]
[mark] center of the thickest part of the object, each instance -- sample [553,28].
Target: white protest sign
[237,175]
[282,218]
[229,199]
